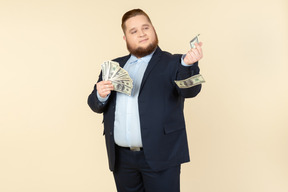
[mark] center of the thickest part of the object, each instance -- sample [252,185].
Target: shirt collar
[133,59]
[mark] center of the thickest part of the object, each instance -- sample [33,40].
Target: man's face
[140,36]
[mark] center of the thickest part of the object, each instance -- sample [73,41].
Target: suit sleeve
[94,103]
[184,72]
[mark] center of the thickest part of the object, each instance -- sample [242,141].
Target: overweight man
[145,132]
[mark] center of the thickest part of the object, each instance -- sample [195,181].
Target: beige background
[50,55]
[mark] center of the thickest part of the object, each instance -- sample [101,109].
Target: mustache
[141,51]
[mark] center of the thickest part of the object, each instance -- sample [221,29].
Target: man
[145,133]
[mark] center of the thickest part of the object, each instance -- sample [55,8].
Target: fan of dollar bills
[122,82]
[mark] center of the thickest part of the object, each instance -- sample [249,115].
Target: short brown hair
[132,13]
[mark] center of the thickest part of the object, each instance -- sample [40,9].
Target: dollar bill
[113,66]
[190,82]
[122,88]
[119,77]
[193,41]
[123,82]
[120,74]
[104,68]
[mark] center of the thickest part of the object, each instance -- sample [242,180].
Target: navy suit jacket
[161,105]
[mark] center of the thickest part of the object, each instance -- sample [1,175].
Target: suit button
[111,133]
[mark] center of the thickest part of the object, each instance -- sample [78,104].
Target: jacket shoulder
[170,55]
[122,59]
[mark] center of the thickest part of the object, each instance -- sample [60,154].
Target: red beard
[142,52]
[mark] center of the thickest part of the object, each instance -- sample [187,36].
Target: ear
[124,37]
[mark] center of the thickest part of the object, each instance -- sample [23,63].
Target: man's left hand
[194,54]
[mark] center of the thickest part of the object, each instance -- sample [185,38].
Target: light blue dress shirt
[127,131]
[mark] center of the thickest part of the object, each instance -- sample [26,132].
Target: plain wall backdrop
[50,56]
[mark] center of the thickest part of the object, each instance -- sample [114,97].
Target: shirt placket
[132,101]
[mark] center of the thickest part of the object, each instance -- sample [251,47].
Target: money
[122,88]
[190,82]
[193,41]
[121,81]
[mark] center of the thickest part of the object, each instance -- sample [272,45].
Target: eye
[133,32]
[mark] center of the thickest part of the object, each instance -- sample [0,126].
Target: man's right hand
[104,88]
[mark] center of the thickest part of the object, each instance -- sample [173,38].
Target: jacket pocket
[168,129]
[174,121]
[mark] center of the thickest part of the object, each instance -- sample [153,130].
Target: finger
[104,94]
[100,86]
[199,47]
[200,52]
[195,52]
[106,82]
[191,57]
[108,87]
[199,44]
[105,90]
[195,55]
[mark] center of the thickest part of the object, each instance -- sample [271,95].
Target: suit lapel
[153,62]
[124,60]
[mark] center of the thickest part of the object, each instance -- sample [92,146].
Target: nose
[142,33]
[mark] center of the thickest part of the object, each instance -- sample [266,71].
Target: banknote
[193,41]
[104,71]
[108,67]
[112,68]
[119,77]
[122,88]
[120,74]
[190,82]
[123,82]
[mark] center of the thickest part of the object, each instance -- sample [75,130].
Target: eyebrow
[144,25]
[132,29]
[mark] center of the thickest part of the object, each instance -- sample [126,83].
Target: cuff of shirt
[183,63]
[101,99]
